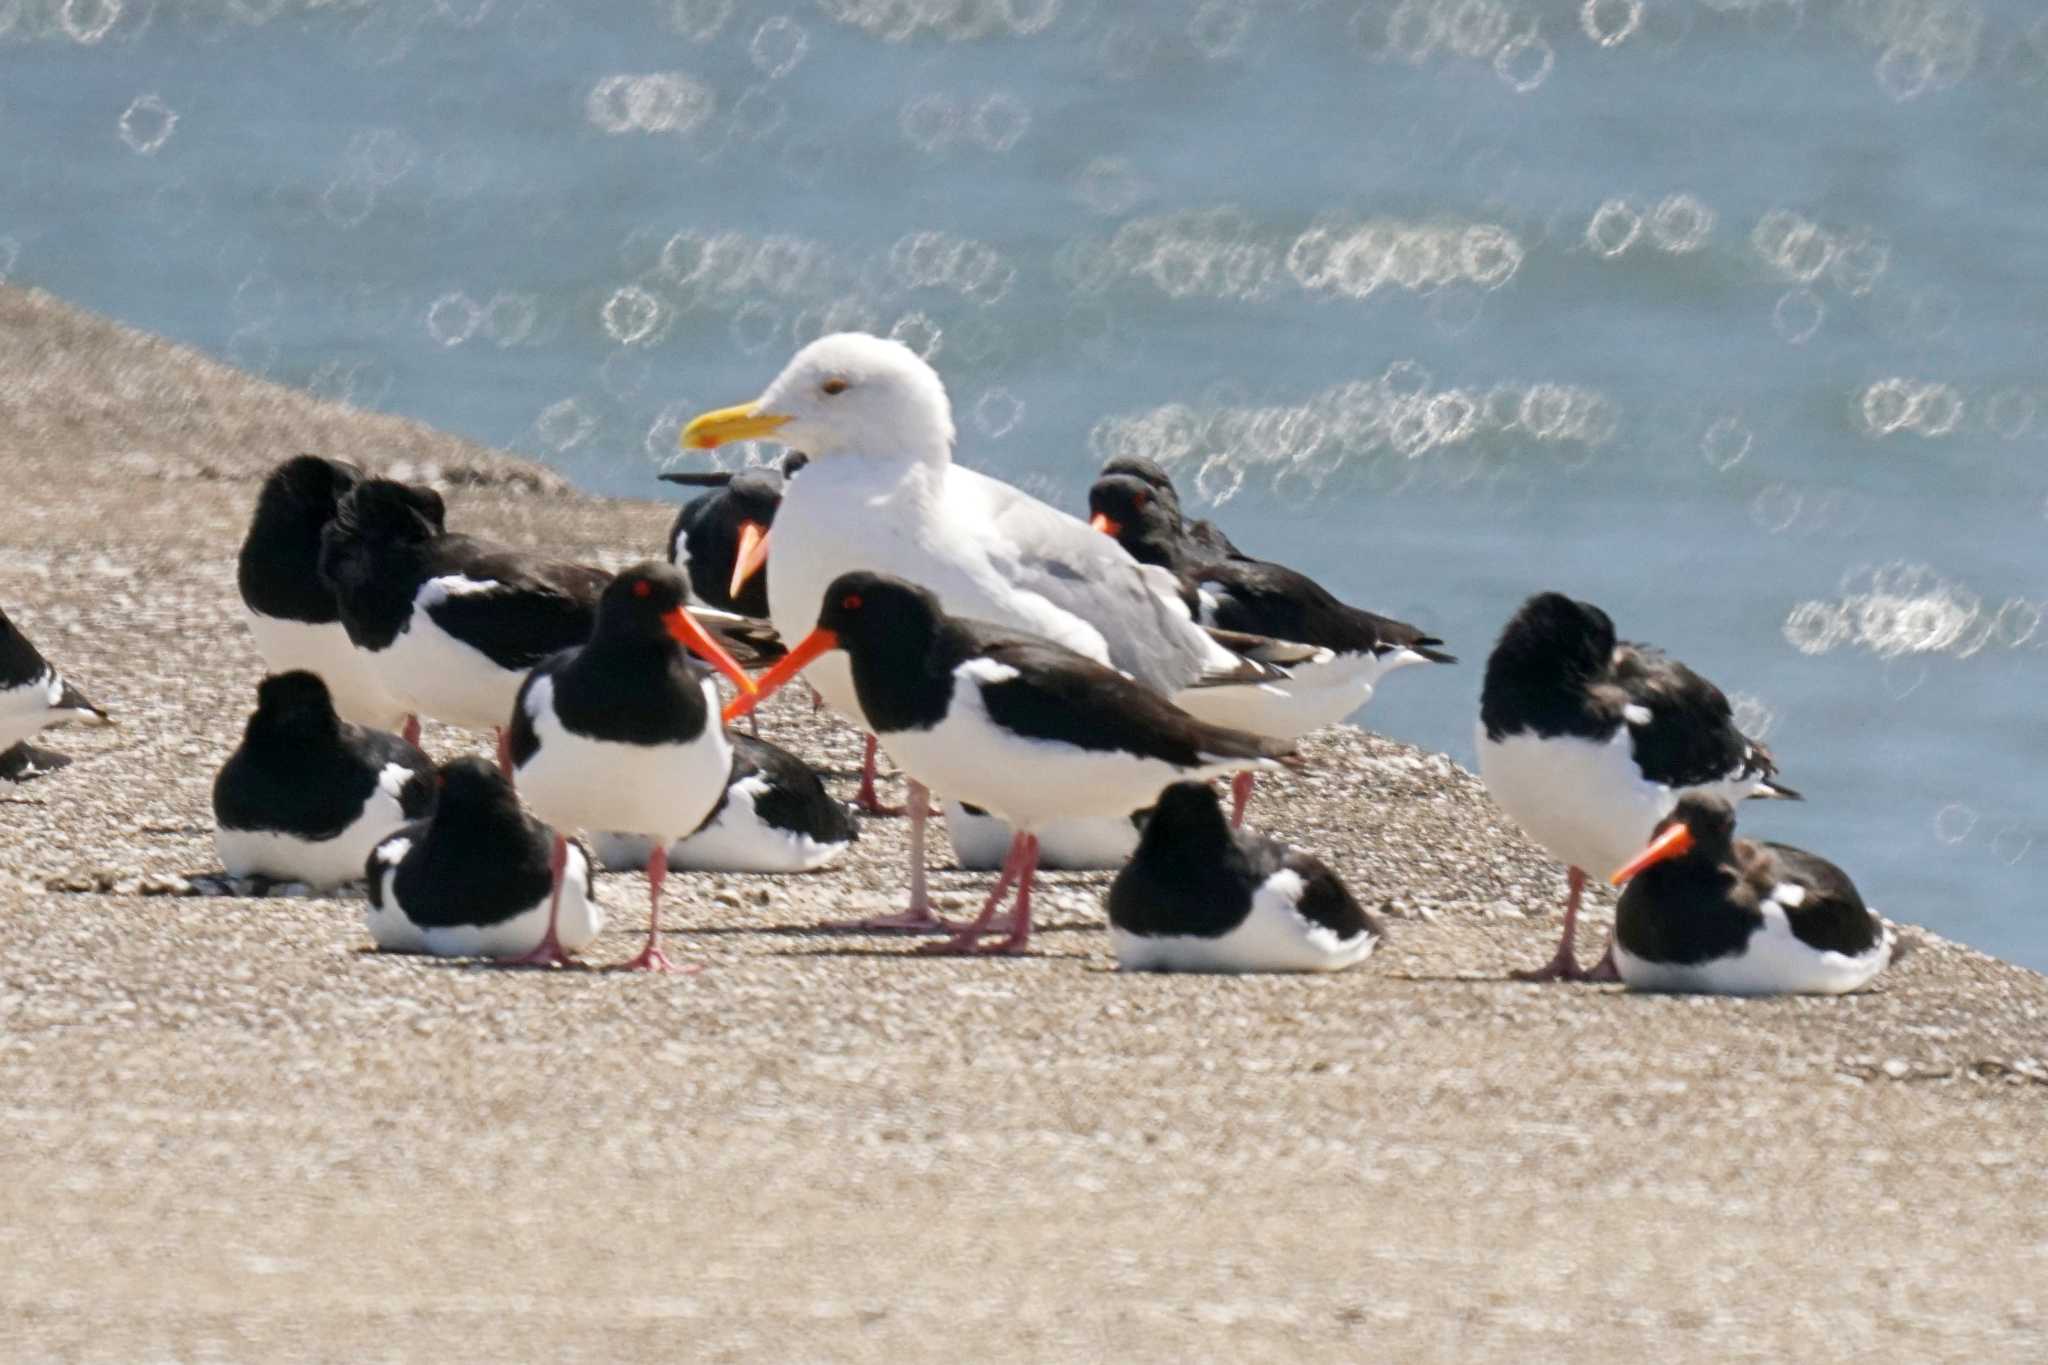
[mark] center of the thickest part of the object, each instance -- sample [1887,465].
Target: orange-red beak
[1101,522]
[753,554]
[695,638]
[788,666]
[1675,842]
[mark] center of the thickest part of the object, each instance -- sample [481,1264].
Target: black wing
[535,608]
[1259,598]
[1832,917]
[1690,737]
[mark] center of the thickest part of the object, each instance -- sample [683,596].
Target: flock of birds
[1069,688]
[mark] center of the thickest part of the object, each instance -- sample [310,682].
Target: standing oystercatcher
[307,795]
[34,696]
[1253,597]
[1200,896]
[622,733]
[775,816]
[451,624]
[720,537]
[482,878]
[292,612]
[1014,723]
[1706,911]
[1588,743]
[882,492]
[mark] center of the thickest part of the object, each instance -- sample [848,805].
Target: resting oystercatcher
[1588,743]
[292,612]
[1203,540]
[451,624]
[774,816]
[34,696]
[307,795]
[1014,723]
[1253,597]
[482,878]
[1706,911]
[622,732]
[1200,896]
[882,492]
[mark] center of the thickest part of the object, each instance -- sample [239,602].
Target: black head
[472,788]
[1143,521]
[1577,636]
[311,486]
[640,600]
[1148,472]
[1711,820]
[754,495]
[297,702]
[386,511]
[872,611]
[1189,815]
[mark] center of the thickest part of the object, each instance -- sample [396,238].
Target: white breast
[437,675]
[1775,962]
[580,921]
[1273,937]
[662,790]
[319,863]
[351,675]
[1584,801]
[980,842]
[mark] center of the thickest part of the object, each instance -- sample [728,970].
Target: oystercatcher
[1705,911]
[622,732]
[1015,723]
[981,841]
[1200,896]
[774,816]
[882,492]
[307,795]
[482,878]
[292,612]
[1588,743]
[1253,597]
[1202,540]
[720,537]
[34,696]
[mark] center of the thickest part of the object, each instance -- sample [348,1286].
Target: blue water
[1724,314]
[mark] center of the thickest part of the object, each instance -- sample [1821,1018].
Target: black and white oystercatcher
[34,697]
[451,624]
[307,795]
[1254,597]
[1705,911]
[720,537]
[292,612]
[1201,540]
[480,879]
[775,816]
[1588,743]
[1200,896]
[1014,723]
[622,733]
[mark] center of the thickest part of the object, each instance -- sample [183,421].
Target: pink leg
[867,799]
[1605,971]
[651,958]
[1240,797]
[817,702]
[1023,847]
[412,730]
[549,953]
[1564,963]
[919,918]
[505,753]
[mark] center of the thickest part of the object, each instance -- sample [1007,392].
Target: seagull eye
[642,588]
[850,602]
[834,386]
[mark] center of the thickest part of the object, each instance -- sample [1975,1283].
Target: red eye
[643,588]
[1138,500]
[851,601]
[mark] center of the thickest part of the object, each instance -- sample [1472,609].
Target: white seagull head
[845,394]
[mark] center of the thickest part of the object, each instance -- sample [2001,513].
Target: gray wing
[1081,571]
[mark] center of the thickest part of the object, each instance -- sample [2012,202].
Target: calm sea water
[1726,314]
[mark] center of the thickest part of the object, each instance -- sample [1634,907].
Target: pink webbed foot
[652,959]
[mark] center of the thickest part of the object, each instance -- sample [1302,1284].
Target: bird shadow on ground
[25,763]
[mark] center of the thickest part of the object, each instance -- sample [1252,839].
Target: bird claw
[652,959]
[548,954]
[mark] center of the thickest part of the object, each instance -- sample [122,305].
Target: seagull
[1201,896]
[775,816]
[1705,911]
[1253,597]
[882,492]
[482,878]
[292,612]
[452,623]
[1014,723]
[622,733]
[307,795]
[34,697]
[1588,744]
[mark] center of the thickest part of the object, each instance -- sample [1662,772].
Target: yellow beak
[743,423]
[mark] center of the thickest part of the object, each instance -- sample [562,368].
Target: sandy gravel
[231,1133]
